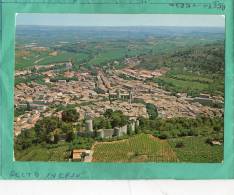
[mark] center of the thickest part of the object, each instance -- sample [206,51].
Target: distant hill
[98,46]
[205,58]
[44,34]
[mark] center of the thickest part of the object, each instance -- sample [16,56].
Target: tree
[164,135]
[66,127]
[105,123]
[108,113]
[70,115]
[70,136]
[118,119]
[45,126]
[217,128]
[28,107]
[152,111]
[25,139]
[115,118]
[101,123]
[144,123]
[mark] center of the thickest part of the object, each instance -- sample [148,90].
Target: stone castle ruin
[109,133]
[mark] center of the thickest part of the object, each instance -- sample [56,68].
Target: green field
[57,152]
[139,148]
[197,150]
[26,58]
[193,84]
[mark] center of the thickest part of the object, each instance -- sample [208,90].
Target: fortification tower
[88,123]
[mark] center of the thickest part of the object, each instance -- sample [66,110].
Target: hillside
[207,58]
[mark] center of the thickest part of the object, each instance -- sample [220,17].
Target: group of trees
[180,127]
[20,110]
[110,119]
[81,143]
[56,79]
[49,130]
[46,129]
[26,139]
[70,115]
[38,78]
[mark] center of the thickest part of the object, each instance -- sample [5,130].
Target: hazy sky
[120,20]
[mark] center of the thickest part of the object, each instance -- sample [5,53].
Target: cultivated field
[139,148]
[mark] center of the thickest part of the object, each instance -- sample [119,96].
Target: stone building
[119,95]
[105,133]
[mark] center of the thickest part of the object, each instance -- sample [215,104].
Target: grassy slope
[196,150]
[39,153]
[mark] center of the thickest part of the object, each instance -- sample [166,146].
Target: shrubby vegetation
[70,115]
[38,78]
[81,143]
[182,127]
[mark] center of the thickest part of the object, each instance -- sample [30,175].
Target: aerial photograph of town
[119,88]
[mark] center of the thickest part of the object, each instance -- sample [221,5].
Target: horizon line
[116,26]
